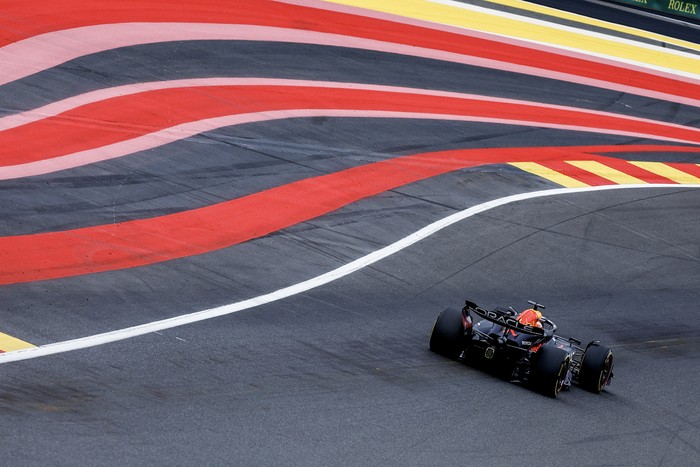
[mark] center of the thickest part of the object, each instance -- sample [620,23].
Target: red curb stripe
[576,173]
[127,117]
[637,172]
[111,247]
[692,169]
[57,15]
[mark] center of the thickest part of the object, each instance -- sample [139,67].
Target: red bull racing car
[529,352]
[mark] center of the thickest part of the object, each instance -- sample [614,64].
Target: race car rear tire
[447,336]
[549,370]
[596,368]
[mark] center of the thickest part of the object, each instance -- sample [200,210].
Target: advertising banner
[688,8]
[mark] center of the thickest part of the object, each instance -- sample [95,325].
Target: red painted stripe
[126,117]
[641,148]
[692,169]
[28,18]
[136,243]
[638,172]
[576,173]
[110,247]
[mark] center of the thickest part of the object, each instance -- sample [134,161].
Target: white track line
[354,266]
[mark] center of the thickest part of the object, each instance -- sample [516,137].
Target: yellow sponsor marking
[9,343]
[480,19]
[606,172]
[565,15]
[549,174]
[659,168]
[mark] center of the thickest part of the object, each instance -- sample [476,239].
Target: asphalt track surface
[339,374]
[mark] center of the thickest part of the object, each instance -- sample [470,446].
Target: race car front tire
[596,368]
[447,336]
[549,370]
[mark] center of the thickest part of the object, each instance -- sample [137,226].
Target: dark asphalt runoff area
[342,374]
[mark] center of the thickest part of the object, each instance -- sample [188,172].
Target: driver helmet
[530,317]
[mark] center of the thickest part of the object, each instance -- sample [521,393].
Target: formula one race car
[531,354]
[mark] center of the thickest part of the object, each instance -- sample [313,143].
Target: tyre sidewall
[549,369]
[594,366]
[447,336]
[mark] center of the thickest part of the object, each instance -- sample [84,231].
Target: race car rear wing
[508,320]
